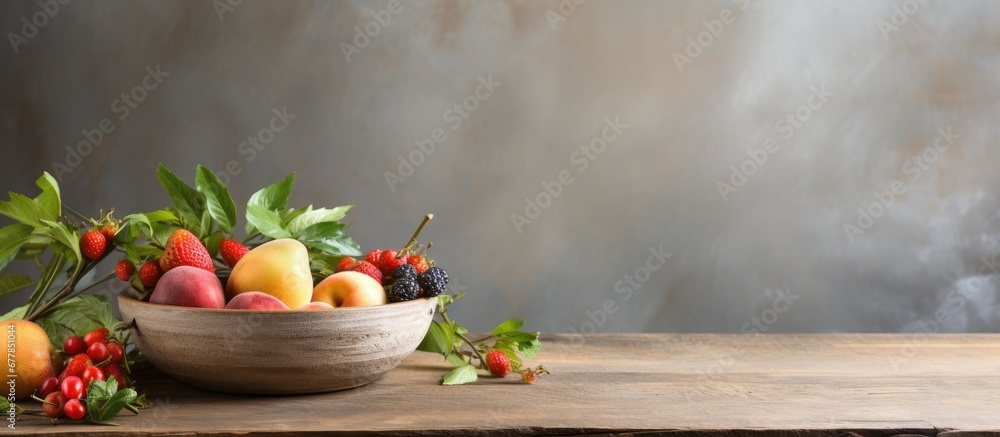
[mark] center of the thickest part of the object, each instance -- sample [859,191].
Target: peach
[255,300]
[32,355]
[316,306]
[188,286]
[349,289]
[279,268]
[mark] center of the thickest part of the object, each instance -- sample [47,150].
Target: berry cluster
[92,358]
[182,249]
[405,277]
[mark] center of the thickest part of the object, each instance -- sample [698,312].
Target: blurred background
[649,166]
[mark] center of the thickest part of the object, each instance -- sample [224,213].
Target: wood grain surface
[629,384]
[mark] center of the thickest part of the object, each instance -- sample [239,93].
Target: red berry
[346,263]
[185,249]
[75,409]
[231,251]
[149,273]
[74,345]
[117,352]
[418,262]
[124,270]
[54,404]
[109,231]
[73,387]
[389,262]
[51,384]
[369,269]
[528,376]
[91,374]
[99,335]
[93,244]
[111,369]
[498,363]
[374,257]
[98,352]
[75,367]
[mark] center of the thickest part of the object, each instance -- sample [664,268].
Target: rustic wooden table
[871,384]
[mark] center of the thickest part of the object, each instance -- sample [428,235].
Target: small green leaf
[49,200]
[10,283]
[16,313]
[24,210]
[12,238]
[212,243]
[68,238]
[515,361]
[459,329]
[188,201]
[529,349]
[520,337]
[220,202]
[438,339]
[313,217]
[267,221]
[508,326]
[76,316]
[330,238]
[274,196]
[456,359]
[461,375]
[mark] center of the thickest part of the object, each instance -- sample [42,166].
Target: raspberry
[498,363]
[76,365]
[418,262]
[404,271]
[404,289]
[388,262]
[346,263]
[374,257]
[433,281]
[369,269]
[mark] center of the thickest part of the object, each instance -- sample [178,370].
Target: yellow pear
[279,268]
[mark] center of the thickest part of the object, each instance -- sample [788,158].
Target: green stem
[89,287]
[482,360]
[44,283]
[413,239]
[67,289]
[77,213]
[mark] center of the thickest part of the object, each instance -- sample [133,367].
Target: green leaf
[461,375]
[520,337]
[163,215]
[529,349]
[330,238]
[456,359]
[10,283]
[137,221]
[68,238]
[188,201]
[291,213]
[24,210]
[322,215]
[459,329]
[49,200]
[76,316]
[220,202]
[5,407]
[439,339]
[16,313]
[12,238]
[162,231]
[107,410]
[212,243]
[274,196]
[515,361]
[508,326]
[267,221]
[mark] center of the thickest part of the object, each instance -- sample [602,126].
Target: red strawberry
[346,263]
[388,262]
[93,244]
[231,251]
[184,249]
[124,270]
[369,269]
[498,363]
[109,232]
[418,262]
[111,369]
[149,273]
[75,366]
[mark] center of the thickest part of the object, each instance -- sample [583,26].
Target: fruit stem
[413,239]
[482,360]
[67,289]
[67,208]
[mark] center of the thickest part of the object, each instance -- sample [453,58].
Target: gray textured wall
[885,76]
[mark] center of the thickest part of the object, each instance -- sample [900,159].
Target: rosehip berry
[99,335]
[117,352]
[74,345]
[75,409]
[498,363]
[53,405]
[50,385]
[91,374]
[98,352]
[73,387]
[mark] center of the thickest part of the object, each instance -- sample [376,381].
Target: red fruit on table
[98,352]
[51,384]
[73,387]
[74,345]
[90,374]
[99,335]
[117,352]
[75,409]
[54,404]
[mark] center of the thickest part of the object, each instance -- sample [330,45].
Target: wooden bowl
[277,352]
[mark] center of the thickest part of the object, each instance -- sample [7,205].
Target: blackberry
[404,289]
[405,271]
[433,281]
